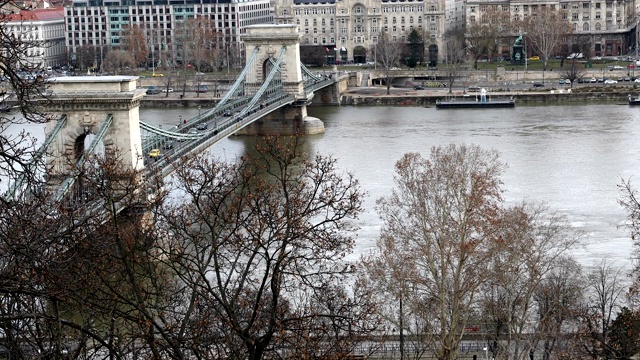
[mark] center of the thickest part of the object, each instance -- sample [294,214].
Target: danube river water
[571,157]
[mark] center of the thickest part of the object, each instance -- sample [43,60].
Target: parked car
[561,81]
[169,90]
[473,88]
[418,87]
[534,58]
[538,84]
[202,89]
[610,81]
[593,80]
[157,75]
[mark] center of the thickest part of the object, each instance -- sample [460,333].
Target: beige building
[348,28]
[45,27]
[608,26]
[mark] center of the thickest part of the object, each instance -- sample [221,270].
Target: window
[598,26]
[585,5]
[585,26]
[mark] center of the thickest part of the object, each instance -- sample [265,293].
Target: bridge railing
[222,130]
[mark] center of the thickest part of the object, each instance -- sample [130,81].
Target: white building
[100,23]
[45,27]
[350,27]
[608,25]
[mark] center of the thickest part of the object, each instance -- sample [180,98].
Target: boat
[634,101]
[477,103]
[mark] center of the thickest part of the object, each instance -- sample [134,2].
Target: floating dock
[479,103]
[470,104]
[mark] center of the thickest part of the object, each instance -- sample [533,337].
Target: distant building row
[347,29]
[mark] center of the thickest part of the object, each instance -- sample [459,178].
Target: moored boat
[479,102]
[634,101]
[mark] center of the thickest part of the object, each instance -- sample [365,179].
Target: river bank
[377,96]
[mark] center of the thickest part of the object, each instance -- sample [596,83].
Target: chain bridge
[101,114]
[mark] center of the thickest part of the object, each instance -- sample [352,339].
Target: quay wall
[521,98]
[414,99]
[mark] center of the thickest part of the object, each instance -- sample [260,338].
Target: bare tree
[605,295]
[258,246]
[198,42]
[530,242]
[455,54]
[440,215]
[20,87]
[388,53]
[134,42]
[117,60]
[557,300]
[483,34]
[545,30]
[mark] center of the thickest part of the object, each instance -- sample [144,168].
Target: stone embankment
[409,97]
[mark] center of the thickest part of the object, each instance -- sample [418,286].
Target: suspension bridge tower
[269,40]
[101,112]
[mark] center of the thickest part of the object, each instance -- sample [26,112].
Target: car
[600,80]
[610,81]
[593,80]
[538,84]
[199,73]
[155,153]
[152,90]
[534,58]
[561,81]
[202,126]
[473,88]
[596,58]
[169,90]
[168,144]
[580,80]
[418,87]
[157,75]
[395,68]
[227,113]
[202,89]
[627,78]
[193,131]
[637,80]
[616,67]
[631,66]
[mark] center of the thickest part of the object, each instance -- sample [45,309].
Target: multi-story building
[350,28]
[607,26]
[45,27]
[101,23]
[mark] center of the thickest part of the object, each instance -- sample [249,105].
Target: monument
[518,53]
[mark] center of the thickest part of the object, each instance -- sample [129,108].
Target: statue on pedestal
[518,53]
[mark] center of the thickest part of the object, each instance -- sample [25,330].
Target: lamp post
[199,107]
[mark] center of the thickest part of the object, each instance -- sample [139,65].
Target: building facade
[100,23]
[43,27]
[348,29]
[608,27]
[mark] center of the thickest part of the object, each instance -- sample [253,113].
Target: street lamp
[199,107]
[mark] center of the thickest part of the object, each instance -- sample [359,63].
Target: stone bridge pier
[88,102]
[292,119]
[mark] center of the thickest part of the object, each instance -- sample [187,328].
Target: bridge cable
[37,156]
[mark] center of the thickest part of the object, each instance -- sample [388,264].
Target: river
[571,157]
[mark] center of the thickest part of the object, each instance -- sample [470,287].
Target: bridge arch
[106,108]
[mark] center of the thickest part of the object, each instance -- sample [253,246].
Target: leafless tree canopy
[21,84]
[545,31]
[388,53]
